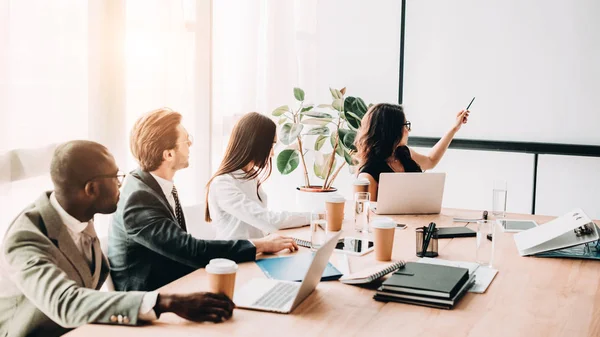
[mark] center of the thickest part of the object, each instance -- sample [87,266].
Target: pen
[430,230]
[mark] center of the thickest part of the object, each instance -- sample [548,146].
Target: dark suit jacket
[146,247]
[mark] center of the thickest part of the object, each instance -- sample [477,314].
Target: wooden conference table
[529,297]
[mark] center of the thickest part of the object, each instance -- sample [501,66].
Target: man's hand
[274,243]
[197,307]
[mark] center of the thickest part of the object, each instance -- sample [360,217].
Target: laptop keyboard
[277,296]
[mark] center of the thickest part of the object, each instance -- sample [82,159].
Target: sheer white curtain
[43,92]
[262,49]
[86,70]
[160,71]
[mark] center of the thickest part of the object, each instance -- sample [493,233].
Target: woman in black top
[381,144]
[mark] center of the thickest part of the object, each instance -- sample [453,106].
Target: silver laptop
[283,296]
[410,193]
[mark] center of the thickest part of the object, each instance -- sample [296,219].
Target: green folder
[591,252]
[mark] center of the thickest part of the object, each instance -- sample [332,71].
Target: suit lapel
[149,180]
[58,232]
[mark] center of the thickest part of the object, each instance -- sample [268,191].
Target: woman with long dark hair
[235,202]
[381,144]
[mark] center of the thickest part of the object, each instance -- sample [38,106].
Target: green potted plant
[327,131]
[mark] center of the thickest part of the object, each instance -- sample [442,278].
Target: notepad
[294,268]
[483,275]
[372,273]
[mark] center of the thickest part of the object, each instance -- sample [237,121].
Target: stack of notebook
[426,284]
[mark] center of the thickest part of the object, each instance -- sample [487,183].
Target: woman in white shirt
[235,202]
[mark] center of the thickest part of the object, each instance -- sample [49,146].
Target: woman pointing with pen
[382,140]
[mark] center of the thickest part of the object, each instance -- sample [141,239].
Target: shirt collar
[73,224]
[165,185]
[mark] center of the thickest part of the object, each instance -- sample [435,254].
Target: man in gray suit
[51,263]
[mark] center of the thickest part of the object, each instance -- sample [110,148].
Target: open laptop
[283,296]
[410,193]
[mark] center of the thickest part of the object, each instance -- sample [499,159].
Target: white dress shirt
[238,213]
[76,231]
[167,188]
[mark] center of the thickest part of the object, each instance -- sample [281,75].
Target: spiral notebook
[372,273]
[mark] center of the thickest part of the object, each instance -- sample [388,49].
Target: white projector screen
[533,66]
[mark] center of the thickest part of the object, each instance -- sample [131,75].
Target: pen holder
[432,248]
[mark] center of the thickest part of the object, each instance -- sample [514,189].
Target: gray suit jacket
[46,287]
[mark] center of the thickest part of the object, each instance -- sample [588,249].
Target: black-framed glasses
[408,125]
[120,176]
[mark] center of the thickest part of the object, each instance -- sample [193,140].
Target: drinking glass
[499,199]
[361,211]
[484,250]
[318,229]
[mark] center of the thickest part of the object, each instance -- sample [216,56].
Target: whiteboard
[534,67]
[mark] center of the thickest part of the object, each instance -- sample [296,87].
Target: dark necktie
[178,210]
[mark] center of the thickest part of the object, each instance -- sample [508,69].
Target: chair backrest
[197,227]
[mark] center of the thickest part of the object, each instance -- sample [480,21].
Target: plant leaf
[320,142]
[352,119]
[287,161]
[317,121]
[307,108]
[324,106]
[317,114]
[339,151]
[338,104]
[322,164]
[348,158]
[343,90]
[349,103]
[348,140]
[360,108]
[289,131]
[299,94]
[320,130]
[280,111]
[336,94]
[282,120]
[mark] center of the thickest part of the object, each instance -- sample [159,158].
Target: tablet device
[347,245]
[516,225]
[455,232]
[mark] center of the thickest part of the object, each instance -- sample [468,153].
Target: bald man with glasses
[51,263]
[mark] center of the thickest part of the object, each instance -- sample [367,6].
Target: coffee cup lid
[383,223]
[361,181]
[221,266]
[336,198]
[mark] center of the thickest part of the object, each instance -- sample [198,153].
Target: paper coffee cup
[383,230]
[334,207]
[361,185]
[221,276]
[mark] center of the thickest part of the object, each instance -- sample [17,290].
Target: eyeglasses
[189,140]
[408,125]
[120,176]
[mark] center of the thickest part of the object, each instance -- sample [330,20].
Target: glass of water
[499,199]
[361,211]
[318,229]
[484,247]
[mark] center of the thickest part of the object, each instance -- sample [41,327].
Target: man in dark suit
[148,242]
[51,263]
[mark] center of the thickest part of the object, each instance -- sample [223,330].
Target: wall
[358,47]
